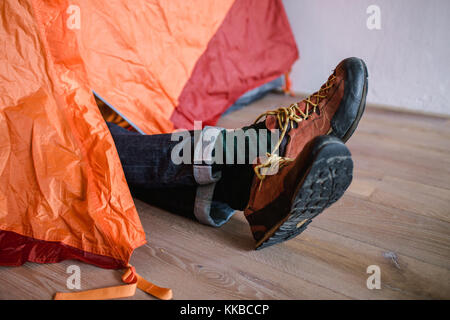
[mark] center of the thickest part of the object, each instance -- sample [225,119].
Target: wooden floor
[396,215]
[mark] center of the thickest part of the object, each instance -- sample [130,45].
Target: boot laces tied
[287,116]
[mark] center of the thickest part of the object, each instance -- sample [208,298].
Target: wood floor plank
[414,197]
[413,235]
[324,259]
[395,161]
[195,257]
[42,281]
[436,138]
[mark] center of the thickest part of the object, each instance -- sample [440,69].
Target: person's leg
[146,160]
[154,178]
[191,202]
[279,206]
[267,200]
[187,189]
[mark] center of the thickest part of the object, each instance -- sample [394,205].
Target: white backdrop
[408,58]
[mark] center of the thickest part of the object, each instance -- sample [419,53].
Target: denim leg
[146,159]
[184,189]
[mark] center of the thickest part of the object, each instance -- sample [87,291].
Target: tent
[159,64]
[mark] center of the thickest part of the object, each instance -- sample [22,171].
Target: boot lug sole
[326,181]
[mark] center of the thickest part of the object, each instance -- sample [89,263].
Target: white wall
[408,59]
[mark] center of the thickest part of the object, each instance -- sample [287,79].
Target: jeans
[184,189]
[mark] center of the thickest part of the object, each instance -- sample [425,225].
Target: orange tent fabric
[63,193]
[164,64]
[140,54]
[160,64]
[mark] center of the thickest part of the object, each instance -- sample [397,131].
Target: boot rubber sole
[361,108]
[326,180]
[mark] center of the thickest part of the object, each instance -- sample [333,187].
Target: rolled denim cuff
[210,212]
[206,210]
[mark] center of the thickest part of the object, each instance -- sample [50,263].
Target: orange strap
[287,89]
[130,277]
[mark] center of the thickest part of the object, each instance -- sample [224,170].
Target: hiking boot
[335,109]
[282,205]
